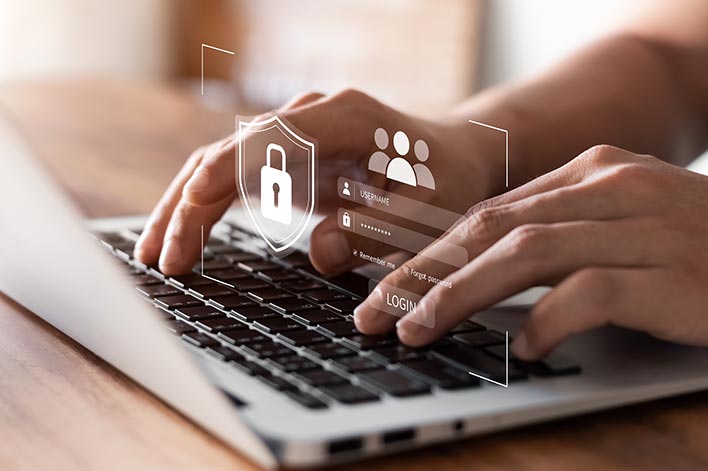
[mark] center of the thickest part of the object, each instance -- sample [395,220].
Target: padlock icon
[276,189]
[346,221]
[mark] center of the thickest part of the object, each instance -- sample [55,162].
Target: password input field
[402,238]
[398,205]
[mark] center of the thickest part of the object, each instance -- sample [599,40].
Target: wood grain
[114,147]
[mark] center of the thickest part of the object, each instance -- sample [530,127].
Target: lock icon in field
[276,189]
[346,220]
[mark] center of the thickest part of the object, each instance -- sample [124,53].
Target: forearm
[622,91]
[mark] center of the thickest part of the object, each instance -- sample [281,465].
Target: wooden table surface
[114,147]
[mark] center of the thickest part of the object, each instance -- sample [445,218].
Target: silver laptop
[271,363]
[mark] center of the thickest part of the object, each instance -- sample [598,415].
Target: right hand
[344,125]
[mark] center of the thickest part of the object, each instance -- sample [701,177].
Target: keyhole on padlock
[276,189]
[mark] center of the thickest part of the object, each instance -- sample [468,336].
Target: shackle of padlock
[271,147]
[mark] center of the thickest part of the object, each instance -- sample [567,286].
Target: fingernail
[520,345]
[365,313]
[407,329]
[198,182]
[172,253]
[335,249]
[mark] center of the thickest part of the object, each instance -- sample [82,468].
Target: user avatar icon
[345,190]
[398,168]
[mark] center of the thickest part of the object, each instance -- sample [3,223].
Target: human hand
[344,126]
[623,237]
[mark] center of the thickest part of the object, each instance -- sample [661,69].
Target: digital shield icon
[276,174]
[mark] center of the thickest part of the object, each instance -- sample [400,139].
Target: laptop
[272,363]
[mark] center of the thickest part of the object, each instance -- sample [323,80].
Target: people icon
[398,168]
[346,191]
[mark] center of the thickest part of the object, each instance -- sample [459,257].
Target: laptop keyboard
[282,323]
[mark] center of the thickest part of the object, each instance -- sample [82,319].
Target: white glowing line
[504,385]
[202,266]
[506,139]
[215,49]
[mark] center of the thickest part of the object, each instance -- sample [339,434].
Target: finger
[149,244]
[484,228]
[181,243]
[311,114]
[525,257]
[301,100]
[585,300]
[588,163]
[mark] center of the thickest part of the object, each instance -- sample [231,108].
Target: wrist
[486,147]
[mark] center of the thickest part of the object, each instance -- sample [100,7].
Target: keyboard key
[349,394]
[135,268]
[258,265]
[439,374]
[277,324]
[177,301]
[249,284]
[154,291]
[345,306]
[303,284]
[481,339]
[292,362]
[355,364]
[218,324]
[178,327]
[320,377]
[211,291]
[297,260]
[143,279]
[394,383]
[197,313]
[499,351]
[199,340]
[276,382]
[228,274]
[476,361]
[302,337]
[110,237]
[266,349]
[365,342]
[399,353]
[266,295]
[555,364]
[154,272]
[326,351]
[231,301]
[279,276]
[306,400]
[242,336]
[352,282]
[209,265]
[190,280]
[319,316]
[466,326]
[324,295]
[248,367]
[293,305]
[242,257]
[223,353]
[339,329]
[252,313]
[223,249]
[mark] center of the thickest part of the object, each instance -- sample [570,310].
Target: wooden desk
[115,147]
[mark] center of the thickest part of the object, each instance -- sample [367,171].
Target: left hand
[622,237]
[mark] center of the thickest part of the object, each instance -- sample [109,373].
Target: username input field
[398,205]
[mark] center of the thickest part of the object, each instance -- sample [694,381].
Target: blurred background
[420,55]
